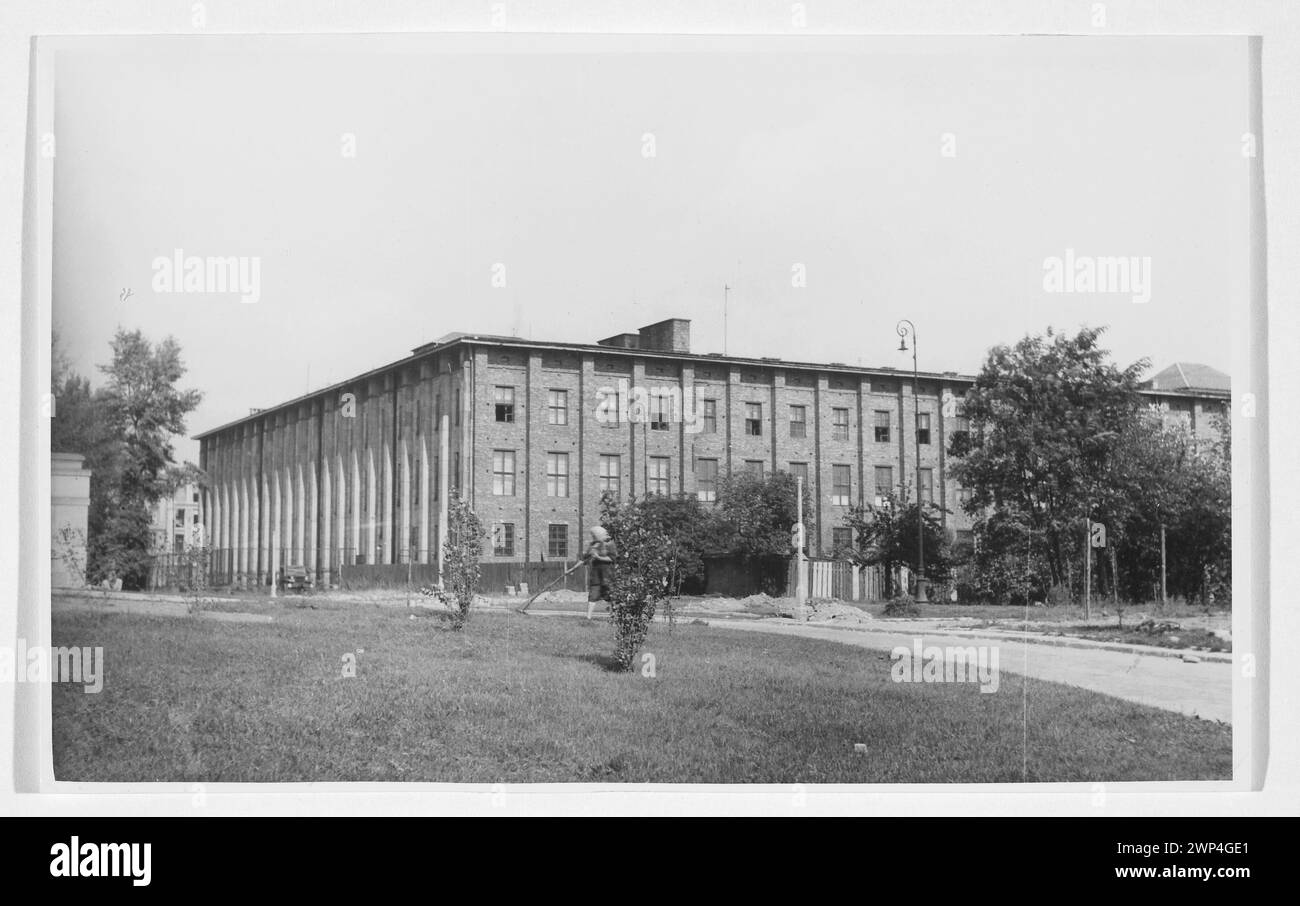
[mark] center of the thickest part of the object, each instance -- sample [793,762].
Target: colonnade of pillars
[351,513]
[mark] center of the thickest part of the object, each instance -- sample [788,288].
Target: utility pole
[1087,568]
[1164,591]
[1114,582]
[801,565]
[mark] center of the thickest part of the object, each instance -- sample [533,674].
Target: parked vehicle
[295,578]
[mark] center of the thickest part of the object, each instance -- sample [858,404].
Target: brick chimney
[673,335]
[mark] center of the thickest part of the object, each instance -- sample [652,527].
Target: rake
[549,586]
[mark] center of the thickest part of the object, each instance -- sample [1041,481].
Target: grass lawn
[531,699]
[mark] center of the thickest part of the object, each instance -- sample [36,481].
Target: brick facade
[359,473]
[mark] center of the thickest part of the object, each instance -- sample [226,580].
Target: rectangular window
[754,419]
[557,407]
[841,539]
[611,469]
[841,485]
[557,474]
[839,424]
[456,406]
[557,541]
[503,539]
[927,485]
[960,429]
[196,496]
[437,412]
[706,479]
[455,474]
[754,467]
[798,421]
[435,478]
[657,475]
[800,470]
[965,495]
[503,473]
[504,399]
[884,481]
[711,416]
[610,411]
[180,518]
[923,427]
[882,426]
[415,483]
[660,410]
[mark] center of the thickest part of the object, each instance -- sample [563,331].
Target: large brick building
[533,433]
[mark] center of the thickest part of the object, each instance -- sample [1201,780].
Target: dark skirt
[597,582]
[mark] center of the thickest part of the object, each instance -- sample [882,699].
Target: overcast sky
[762,161]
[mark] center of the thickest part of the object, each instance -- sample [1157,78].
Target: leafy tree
[1172,479]
[1047,417]
[1007,566]
[79,424]
[688,527]
[754,514]
[124,429]
[885,536]
[145,409]
[461,550]
[642,573]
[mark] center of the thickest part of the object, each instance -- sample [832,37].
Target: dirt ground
[1067,621]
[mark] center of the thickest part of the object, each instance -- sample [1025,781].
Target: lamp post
[905,327]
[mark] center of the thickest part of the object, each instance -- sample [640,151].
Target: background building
[534,432]
[174,518]
[70,509]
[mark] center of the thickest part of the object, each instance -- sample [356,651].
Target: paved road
[1202,689]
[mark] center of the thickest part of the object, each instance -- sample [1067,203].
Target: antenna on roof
[726,291]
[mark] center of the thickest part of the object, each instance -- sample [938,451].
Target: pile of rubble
[820,611]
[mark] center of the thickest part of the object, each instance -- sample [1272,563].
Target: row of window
[557,405]
[557,413]
[557,540]
[658,477]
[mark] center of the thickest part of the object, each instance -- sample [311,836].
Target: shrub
[460,556]
[643,568]
[902,606]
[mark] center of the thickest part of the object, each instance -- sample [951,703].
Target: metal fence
[251,568]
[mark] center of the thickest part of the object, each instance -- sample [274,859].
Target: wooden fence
[838,580]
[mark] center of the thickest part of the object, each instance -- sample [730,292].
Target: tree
[1047,416]
[885,536]
[461,550]
[1171,479]
[754,514]
[79,424]
[642,572]
[127,426]
[145,409]
[688,528]
[1006,566]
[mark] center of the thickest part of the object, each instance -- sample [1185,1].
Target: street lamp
[904,327]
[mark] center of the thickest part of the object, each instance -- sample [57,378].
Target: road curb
[1224,657]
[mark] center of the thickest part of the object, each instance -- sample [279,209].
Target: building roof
[457,337]
[1186,377]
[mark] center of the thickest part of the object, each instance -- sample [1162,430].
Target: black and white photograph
[618,411]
